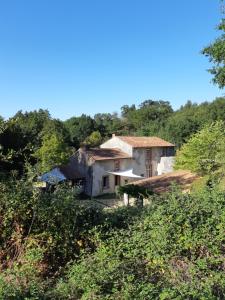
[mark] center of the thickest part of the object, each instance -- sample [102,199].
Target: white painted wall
[116,142]
[165,165]
[93,171]
[160,165]
[100,169]
[139,167]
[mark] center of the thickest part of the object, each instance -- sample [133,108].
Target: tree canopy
[205,151]
[53,152]
[22,135]
[216,54]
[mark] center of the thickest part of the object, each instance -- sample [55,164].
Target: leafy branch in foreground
[216,54]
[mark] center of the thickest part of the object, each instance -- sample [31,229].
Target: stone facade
[160,163]
[145,161]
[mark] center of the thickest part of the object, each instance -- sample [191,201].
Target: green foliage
[22,135]
[205,151]
[190,118]
[56,221]
[41,232]
[53,151]
[170,250]
[173,251]
[148,114]
[79,129]
[22,280]
[94,139]
[55,247]
[157,118]
[216,54]
[134,191]
[12,146]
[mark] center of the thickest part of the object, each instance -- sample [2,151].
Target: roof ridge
[145,141]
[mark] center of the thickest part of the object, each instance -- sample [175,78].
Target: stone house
[121,160]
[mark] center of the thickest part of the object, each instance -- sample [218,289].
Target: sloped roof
[69,172]
[106,153]
[162,183]
[144,141]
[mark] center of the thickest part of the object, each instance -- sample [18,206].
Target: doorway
[117,180]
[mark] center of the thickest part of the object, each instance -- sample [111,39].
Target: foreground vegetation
[54,248]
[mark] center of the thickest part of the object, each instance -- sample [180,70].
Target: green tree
[125,109]
[21,136]
[191,118]
[94,139]
[216,54]
[107,124]
[79,128]
[150,115]
[12,147]
[205,151]
[54,151]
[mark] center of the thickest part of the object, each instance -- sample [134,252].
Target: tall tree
[216,54]
[54,151]
[205,151]
[94,139]
[79,128]
[107,124]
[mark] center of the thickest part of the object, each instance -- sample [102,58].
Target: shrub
[22,280]
[174,251]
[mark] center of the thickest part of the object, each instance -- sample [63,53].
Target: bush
[174,251]
[54,248]
[22,280]
[56,220]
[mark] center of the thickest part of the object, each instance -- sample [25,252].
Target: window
[168,151]
[149,155]
[116,165]
[149,170]
[117,180]
[105,182]
[148,162]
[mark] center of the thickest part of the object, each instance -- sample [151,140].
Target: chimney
[113,135]
[83,147]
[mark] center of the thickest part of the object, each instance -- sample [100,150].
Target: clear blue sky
[90,56]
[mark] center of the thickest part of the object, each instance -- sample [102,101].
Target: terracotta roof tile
[162,183]
[106,153]
[144,141]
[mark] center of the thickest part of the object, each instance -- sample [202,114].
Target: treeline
[40,140]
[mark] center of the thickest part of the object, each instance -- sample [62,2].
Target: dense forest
[37,139]
[53,246]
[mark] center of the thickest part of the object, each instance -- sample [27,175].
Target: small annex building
[121,160]
[163,183]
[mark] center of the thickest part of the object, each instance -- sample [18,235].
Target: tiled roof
[106,153]
[145,142]
[162,183]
